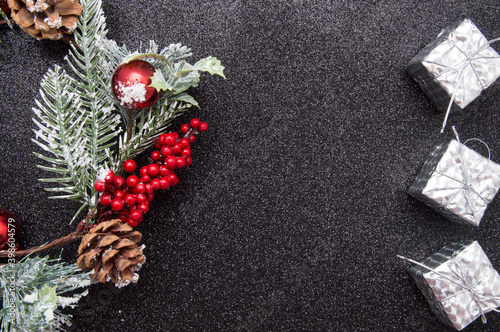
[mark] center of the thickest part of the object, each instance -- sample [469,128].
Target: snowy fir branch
[33,294]
[60,132]
[102,126]
[76,125]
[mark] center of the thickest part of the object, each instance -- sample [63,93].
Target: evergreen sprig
[102,126]
[33,293]
[60,121]
[76,123]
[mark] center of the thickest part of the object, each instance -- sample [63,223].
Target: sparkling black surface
[295,207]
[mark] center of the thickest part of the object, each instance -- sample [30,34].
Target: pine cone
[110,249]
[46,19]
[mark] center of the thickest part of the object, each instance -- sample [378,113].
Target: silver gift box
[459,283]
[459,63]
[458,182]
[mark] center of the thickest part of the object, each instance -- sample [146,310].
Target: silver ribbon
[474,281]
[467,62]
[464,178]
[467,51]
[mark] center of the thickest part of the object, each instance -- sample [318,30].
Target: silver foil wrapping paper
[460,283]
[459,63]
[458,182]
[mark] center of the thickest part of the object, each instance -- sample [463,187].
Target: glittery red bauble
[9,229]
[131,82]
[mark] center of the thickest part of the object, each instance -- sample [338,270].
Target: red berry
[155,155]
[161,139]
[123,217]
[140,188]
[177,149]
[173,179]
[157,144]
[105,199]
[184,128]
[153,170]
[164,171]
[129,166]
[176,136]
[191,138]
[119,194]
[156,184]
[80,226]
[186,152]
[117,204]
[171,162]
[164,183]
[145,178]
[99,186]
[194,123]
[181,162]
[132,223]
[184,142]
[150,197]
[203,126]
[144,170]
[189,161]
[109,177]
[119,181]
[149,189]
[169,139]
[5,7]
[141,198]
[136,216]
[130,199]
[166,151]
[132,181]
[144,207]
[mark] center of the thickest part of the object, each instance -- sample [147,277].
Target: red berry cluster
[130,197]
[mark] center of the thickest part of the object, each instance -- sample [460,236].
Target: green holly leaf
[158,81]
[210,65]
[183,96]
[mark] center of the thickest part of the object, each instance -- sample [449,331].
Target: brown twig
[71,41]
[129,125]
[56,243]
[3,22]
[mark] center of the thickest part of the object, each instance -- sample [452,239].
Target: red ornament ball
[131,85]
[10,230]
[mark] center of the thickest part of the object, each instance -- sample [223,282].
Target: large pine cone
[110,249]
[46,19]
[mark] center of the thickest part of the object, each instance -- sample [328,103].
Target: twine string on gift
[466,285]
[468,62]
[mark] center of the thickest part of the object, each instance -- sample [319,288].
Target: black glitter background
[293,212]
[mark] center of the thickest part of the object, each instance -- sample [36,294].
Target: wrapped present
[458,182]
[459,283]
[456,67]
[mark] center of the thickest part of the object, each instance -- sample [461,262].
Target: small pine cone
[110,250]
[46,19]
